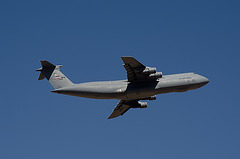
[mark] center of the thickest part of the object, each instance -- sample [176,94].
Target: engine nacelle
[140,105]
[149,70]
[150,98]
[155,75]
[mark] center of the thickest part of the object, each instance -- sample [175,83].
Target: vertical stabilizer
[53,75]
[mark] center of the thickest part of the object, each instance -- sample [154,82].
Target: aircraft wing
[122,107]
[136,71]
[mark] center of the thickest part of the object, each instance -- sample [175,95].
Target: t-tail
[53,75]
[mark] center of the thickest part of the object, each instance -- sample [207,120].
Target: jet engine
[150,98]
[149,70]
[140,105]
[156,75]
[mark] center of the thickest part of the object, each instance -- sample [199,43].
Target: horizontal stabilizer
[46,64]
[41,76]
[53,75]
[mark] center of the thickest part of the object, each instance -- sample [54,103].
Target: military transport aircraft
[143,83]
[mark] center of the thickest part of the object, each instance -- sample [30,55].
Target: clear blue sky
[88,38]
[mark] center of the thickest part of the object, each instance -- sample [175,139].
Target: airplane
[142,83]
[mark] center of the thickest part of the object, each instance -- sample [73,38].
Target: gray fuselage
[125,90]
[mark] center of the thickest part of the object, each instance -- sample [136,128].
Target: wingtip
[110,117]
[113,116]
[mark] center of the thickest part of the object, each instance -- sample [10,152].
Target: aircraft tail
[53,75]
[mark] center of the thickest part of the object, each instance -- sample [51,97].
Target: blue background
[88,38]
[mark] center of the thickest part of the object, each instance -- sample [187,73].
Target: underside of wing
[136,71]
[124,105]
[120,109]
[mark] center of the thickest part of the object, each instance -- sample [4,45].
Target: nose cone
[204,80]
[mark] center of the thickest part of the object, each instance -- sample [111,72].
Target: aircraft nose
[204,80]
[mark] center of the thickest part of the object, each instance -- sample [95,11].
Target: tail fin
[53,75]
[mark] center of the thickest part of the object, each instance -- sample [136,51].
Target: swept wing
[137,72]
[125,105]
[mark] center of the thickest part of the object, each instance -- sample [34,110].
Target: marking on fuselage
[58,77]
[181,78]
